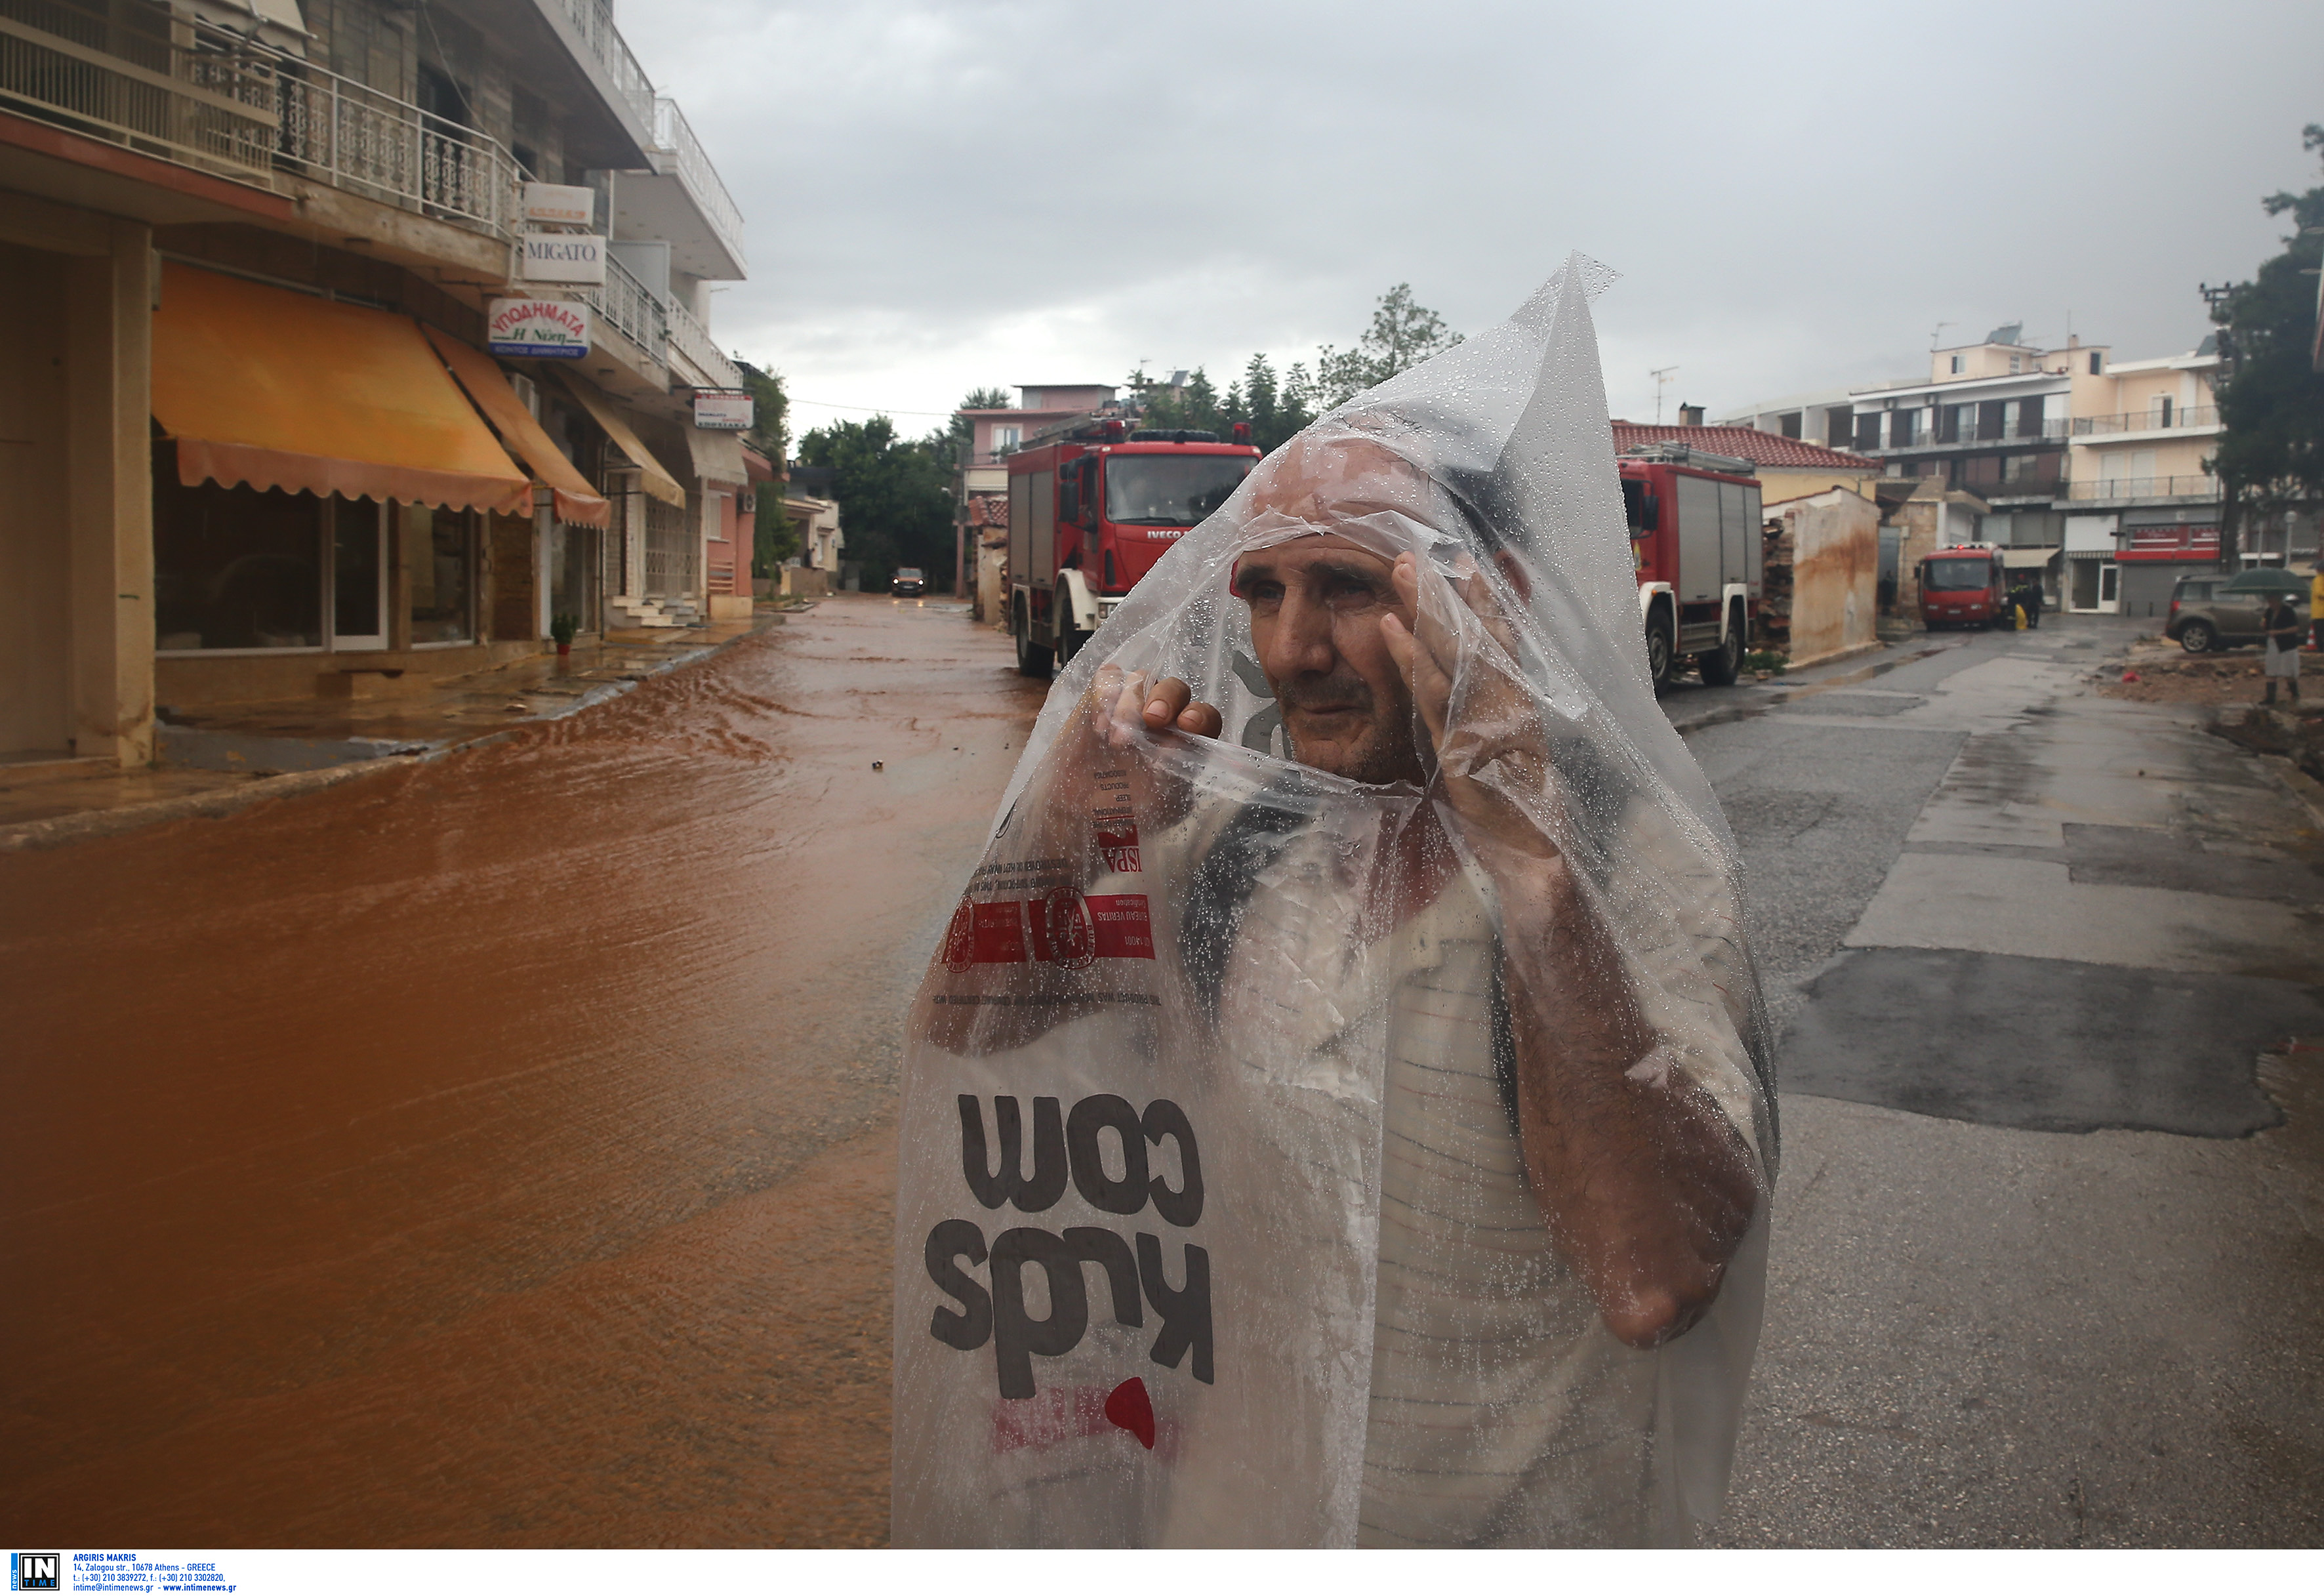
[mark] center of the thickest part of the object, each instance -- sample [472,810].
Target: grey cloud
[946,195]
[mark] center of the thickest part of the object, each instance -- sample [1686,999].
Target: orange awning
[578,503]
[282,390]
[658,482]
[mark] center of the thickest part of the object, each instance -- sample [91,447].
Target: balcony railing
[674,136]
[630,308]
[337,130]
[692,339]
[594,20]
[1969,437]
[129,80]
[207,97]
[2148,420]
[2147,487]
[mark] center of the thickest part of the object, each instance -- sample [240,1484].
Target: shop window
[235,567]
[440,548]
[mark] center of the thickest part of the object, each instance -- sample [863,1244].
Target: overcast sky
[944,196]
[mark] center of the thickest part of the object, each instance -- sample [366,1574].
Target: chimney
[1690,415]
[2073,341]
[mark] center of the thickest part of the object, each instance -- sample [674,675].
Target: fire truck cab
[1966,585]
[1695,544]
[1092,507]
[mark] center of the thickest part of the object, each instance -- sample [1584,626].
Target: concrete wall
[77,619]
[1835,549]
[1779,485]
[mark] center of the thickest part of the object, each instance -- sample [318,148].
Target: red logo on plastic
[1124,931]
[985,934]
[1117,841]
[1062,932]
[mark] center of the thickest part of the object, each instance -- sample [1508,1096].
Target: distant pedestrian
[2282,627]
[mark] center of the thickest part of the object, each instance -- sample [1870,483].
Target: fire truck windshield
[1170,490]
[1957,576]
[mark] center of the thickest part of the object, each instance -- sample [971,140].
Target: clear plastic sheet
[1295,1157]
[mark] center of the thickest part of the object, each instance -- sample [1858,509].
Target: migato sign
[561,258]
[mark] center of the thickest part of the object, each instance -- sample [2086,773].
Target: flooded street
[496,1150]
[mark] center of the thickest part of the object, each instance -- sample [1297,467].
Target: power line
[875,410]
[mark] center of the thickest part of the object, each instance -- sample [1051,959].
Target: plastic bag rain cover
[1233,1209]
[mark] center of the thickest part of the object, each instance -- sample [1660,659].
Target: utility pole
[1661,374]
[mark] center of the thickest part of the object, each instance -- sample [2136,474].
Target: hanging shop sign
[561,258]
[551,329]
[724,409]
[567,206]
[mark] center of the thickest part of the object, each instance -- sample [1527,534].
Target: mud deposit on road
[496,1150]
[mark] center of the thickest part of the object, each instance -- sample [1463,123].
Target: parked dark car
[2206,617]
[909,582]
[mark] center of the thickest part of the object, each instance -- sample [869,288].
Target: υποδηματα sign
[549,329]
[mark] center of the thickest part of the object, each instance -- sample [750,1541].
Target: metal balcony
[691,340]
[129,80]
[593,21]
[2193,418]
[206,97]
[677,150]
[630,307]
[2124,489]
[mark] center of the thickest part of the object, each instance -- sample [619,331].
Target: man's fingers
[1200,720]
[1171,704]
[1165,703]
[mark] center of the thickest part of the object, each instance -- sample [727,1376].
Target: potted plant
[561,628]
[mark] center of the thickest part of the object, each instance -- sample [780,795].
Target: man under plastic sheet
[1428,1046]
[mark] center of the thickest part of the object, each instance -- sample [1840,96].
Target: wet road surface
[496,1150]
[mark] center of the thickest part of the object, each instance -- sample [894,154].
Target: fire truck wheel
[1720,666]
[1660,654]
[1070,637]
[1032,658]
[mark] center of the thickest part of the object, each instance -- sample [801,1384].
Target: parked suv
[2205,616]
[909,582]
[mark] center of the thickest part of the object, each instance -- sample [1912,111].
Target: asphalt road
[500,1150]
[2047,1260]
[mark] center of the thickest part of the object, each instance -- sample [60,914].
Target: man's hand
[1495,748]
[1171,707]
[1645,1188]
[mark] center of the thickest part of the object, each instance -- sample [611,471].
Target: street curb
[2299,784]
[60,829]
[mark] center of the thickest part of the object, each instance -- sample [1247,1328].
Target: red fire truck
[1091,506]
[1694,539]
[1966,585]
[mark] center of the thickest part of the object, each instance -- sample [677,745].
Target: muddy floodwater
[496,1150]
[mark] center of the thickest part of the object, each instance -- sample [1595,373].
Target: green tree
[894,496]
[773,539]
[1402,335]
[2271,455]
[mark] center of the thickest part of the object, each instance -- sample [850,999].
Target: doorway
[2109,588]
[36,546]
[358,573]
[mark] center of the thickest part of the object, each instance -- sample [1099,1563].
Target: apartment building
[2142,507]
[344,339]
[2092,470]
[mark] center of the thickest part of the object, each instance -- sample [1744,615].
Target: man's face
[1316,604]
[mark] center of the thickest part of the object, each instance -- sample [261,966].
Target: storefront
[328,499]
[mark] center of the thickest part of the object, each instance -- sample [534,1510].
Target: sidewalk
[222,756]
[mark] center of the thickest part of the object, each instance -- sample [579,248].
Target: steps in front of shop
[655,612]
